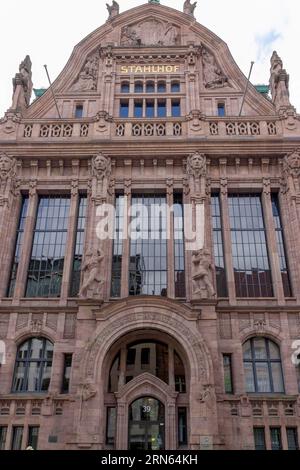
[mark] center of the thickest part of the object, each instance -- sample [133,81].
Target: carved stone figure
[202,270]
[196,170]
[189,7]
[22,85]
[88,391]
[101,172]
[87,80]
[150,33]
[212,74]
[279,83]
[92,274]
[291,168]
[113,9]
[7,176]
[207,395]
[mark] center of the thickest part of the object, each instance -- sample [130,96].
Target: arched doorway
[146,424]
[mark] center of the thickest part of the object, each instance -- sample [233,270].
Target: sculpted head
[294,160]
[101,164]
[6,164]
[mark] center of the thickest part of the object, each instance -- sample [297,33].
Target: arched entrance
[146,424]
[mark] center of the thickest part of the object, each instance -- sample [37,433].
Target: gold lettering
[160,69]
[132,68]
[147,69]
[176,68]
[169,68]
[138,69]
[124,69]
[150,68]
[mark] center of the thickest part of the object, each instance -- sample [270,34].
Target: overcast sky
[48,31]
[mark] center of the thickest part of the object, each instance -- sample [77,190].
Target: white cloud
[49,32]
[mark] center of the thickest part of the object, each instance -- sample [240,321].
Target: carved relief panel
[151,32]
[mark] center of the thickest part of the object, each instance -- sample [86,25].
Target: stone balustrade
[31,406]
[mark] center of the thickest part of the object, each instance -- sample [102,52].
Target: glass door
[146,425]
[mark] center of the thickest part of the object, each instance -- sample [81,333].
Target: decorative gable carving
[88,77]
[150,32]
[213,76]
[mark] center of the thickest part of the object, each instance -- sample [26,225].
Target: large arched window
[262,363]
[33,366]
[147,356]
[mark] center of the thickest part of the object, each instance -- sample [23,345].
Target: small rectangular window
[79,111]
[3,434]
[124,109]
[149,109]
[182,427]
[138,109]
[176,111]
[175,87]
[161,108]
[17,437]
[145,357]
[259,438]
[292,438]
[131,353]
[276,438]
[111,426]
[227,364]
[33,436]
[66,373]
[221,110]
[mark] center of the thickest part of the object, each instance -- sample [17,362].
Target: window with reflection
[175,87]
[49,244]
[249,246]
[176,108]
[161,87]
[33,366]
[161,108]
[79,245]
[146,356]
[150,108]
[117,247]
[262,365]
[179,246]
[124,109]
[281,246]
[138,109]
[138,87]
[148,246]
[125,87]
[18,246]
[218,246]
[150,87]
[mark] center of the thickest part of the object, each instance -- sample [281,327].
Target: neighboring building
[136,344]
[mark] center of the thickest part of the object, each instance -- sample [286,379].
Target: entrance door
[146,425]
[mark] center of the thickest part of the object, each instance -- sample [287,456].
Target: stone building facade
[140,344]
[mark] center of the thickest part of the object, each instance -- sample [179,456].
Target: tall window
[292,438]
[124,109]
[18,248]
[176,108]
[227,365]
[17,437]
[221,109]
[33,437]
[259,438]
[78,254]
[138,109]
[148,247]
[182,427]
[262,364]
[218,246]
[3,434]
[66,373]
[249,247]
[111,421]
[179,246]
[276,442]
[49,244]
[161,108]
[79,111]
[281,247]
[149,109]
[33,366]
[117,248]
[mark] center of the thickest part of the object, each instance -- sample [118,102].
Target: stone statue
[291,168]
[212,75]
[87,79]
[101,172]
[207,396]
[7,176]
[88,391]
[22,85]
[196,170]
[279,83]
[189,7]
[113,9]
[202,285]
[92,274]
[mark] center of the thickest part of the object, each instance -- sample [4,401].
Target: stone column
[71,241]
[170,242]
[272,243]
[25,256]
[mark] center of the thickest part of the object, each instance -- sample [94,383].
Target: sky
[48,32]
